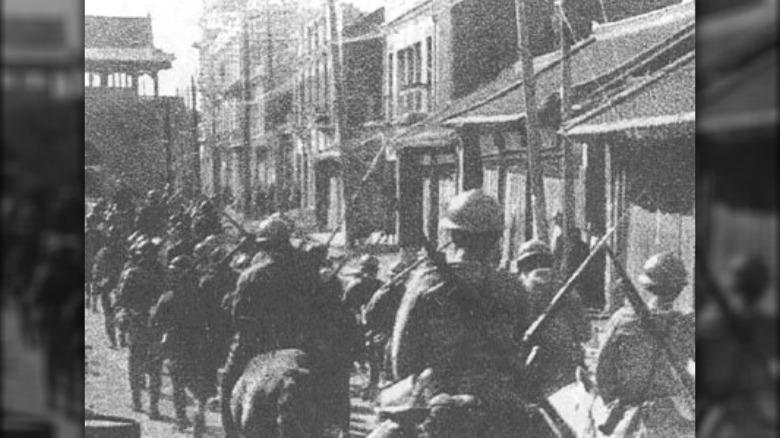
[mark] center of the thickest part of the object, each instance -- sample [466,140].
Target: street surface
[107,391]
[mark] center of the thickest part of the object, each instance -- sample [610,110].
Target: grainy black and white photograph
[390,219]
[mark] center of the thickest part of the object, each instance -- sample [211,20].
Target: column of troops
[267,332]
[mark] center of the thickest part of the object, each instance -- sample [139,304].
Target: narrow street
[108,392]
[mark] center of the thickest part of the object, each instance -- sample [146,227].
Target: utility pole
[168,142]
[535,170]
[195,135]
[337,104]
[567,165]
[246,99]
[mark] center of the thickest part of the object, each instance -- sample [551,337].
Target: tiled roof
[668,97]
[611,45]
[613,49]
[127,32]
[147,54]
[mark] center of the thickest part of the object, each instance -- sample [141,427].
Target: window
[417,63]
[409,77]
[429,59]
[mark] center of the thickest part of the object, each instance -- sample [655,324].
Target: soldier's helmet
[369,264]
[146,250]
[663,271]
[205,248]
[750,276]
[92,219]
[473,211]
[274,231]
[180,264]
[533,254]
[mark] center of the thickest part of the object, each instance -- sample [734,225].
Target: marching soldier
[363,286]
[465,325]
[182,243]
[139,288]
[379,317]
[151,217]
[561,343]
[93,242]
[269,307]
[632,373]
[179,322]
[105,274]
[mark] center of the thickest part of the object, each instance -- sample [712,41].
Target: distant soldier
[632,373]
[93,242]
[202,252]
[362,286]
[206,221]
[106,272]
[587,286]
[465,326]
[179,322]
[151,216]
[182,242]
[269,308]
[379,318]
[139,288]
[561,349]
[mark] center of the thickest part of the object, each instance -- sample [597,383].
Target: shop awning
[427,139]
[659,104]
[613,48]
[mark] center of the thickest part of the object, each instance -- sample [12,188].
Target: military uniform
[469,353]
[139,288]
[379,317]
[359,292]
[633,374]
[561,350]
[106,273]
[179,320]
[268,312]
[93,242]
[632,368]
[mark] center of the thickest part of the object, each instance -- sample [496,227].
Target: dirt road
[107,391]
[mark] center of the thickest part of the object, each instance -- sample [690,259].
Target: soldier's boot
[199,428]
[136,378]
[179,401]
[155,387]
[232,371]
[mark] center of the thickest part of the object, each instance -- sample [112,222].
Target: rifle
[679,374]
[530,337]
